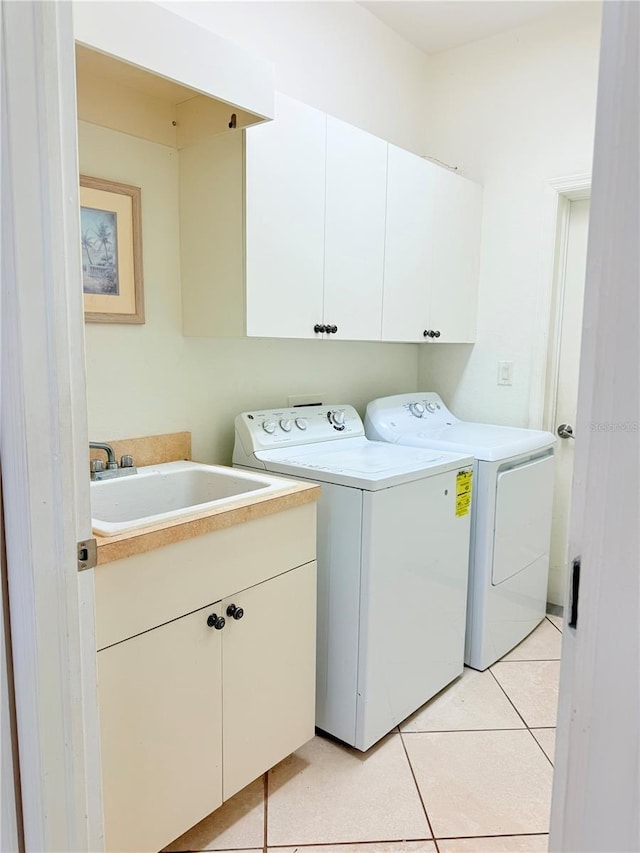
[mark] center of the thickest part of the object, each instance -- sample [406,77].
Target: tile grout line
[527,660]
[541,747]
[509,835]
[508,697]
[457,731]
[419,792]
[528,728]
[554,624]
[266,809]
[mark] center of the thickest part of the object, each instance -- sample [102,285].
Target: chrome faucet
[97,466]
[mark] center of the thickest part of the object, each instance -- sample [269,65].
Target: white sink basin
[169,491]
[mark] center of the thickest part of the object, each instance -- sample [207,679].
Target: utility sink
[162,493]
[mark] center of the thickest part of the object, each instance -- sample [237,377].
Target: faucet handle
[126,461]
[97,465]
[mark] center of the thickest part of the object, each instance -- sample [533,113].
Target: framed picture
[110,223]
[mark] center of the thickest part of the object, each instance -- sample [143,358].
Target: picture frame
[111,245]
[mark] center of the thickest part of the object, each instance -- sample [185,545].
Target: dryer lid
[421,419]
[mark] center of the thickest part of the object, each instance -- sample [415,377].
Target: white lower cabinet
[268,676]
[194,709]
[161,730]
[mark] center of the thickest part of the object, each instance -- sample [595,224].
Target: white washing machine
[511,514]
[393,550]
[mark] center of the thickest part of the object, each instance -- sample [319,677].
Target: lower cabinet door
[269,674]
[161,732]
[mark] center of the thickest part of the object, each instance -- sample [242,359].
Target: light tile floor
[469,772]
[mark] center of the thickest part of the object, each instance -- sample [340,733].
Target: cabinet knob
[215,621]
[436,334]
[319,328]
[428,333]
[235,612]
[332,329]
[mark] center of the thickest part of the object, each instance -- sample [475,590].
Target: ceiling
[437,25]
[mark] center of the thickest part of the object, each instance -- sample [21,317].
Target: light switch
[505,373]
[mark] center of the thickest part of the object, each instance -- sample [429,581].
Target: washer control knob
[269,426]
[416,409]
[285,424]
[302,423]
[337,418]
[432,407]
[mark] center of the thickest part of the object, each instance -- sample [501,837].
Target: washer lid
[361,463]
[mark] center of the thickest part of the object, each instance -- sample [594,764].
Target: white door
[456,257]
[596,787]
[43,432]
[567,367]
[408,247]
[354,231]
[285,189]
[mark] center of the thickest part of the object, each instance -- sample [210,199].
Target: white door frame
[559,193]
[575,188]
[44,439]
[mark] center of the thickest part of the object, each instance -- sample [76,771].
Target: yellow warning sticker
[463,492]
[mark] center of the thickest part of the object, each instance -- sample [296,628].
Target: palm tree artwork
[99,251]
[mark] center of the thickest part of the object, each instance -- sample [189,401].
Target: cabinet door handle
[428,333]
[215,621]
[332,329]
[235,612]
[319,329]
[436,334]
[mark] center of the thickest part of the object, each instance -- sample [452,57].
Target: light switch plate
[505,373]
[307,399]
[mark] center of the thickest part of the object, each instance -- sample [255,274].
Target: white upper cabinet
[455,257]
[284,221]
[408,247]
[354,232]
[432,250]
[307,227]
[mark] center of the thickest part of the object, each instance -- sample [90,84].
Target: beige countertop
[150,450]
[123,545]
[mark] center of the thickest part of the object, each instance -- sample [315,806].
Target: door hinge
[87,554]
[575,590]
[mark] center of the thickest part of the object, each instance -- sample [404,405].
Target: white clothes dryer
[393,549]
[510,518]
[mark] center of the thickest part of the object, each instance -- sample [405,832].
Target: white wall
[512,111]
[150,379]
[335,56]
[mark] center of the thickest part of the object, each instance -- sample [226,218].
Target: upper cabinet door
[284,209]
[456,256]
[354,231]
[408,247]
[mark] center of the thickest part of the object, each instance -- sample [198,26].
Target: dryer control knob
[337,418]
[302,423]
[432,407]
[269,426]
[416,409]
[285,424]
